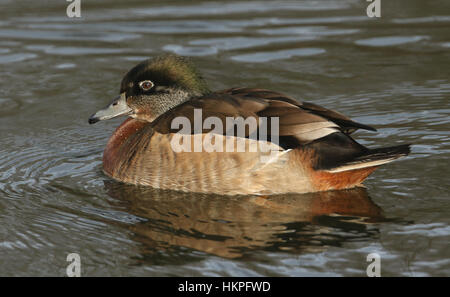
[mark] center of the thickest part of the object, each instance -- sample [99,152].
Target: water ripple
[278,55]
[390,40]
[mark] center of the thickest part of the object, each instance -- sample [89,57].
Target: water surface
[391,73]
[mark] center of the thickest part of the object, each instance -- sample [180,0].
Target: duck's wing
[298,123]
[219,105]
[345,123]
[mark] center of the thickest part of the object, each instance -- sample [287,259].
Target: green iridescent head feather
[167,70]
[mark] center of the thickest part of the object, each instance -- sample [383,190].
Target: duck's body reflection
[233,227]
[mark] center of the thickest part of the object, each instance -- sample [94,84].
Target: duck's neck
[169,100]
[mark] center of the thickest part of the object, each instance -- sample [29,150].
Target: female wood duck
[313,147]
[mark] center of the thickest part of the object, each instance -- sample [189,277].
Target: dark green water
[392,73]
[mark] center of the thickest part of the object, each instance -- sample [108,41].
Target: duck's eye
[146,85]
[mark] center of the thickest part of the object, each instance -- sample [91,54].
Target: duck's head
[153,87]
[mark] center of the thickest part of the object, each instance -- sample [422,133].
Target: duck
[178,136]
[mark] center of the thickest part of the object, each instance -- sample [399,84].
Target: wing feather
[304,122]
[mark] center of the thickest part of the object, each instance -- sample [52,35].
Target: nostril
[114,104]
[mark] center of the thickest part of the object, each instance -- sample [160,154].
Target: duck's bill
[116,108]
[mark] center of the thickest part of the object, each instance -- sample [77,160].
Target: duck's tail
[373,158]
[342,163]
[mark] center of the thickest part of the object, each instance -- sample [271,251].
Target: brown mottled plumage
[313,148]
